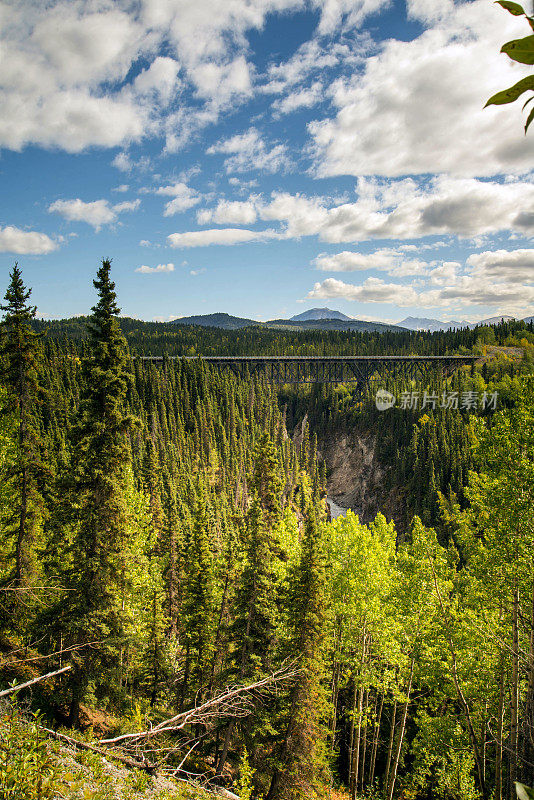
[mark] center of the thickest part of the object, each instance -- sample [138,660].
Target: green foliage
[245,783]
[522,51]
[29,767]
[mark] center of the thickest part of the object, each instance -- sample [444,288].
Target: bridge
[331,369]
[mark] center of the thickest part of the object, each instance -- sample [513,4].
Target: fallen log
[209,709]
[126,760]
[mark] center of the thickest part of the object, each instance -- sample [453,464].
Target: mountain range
[314,319]
[330,319]
[429,324]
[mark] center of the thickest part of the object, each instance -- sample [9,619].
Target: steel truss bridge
[331,369]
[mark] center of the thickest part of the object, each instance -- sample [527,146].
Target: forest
[176,600]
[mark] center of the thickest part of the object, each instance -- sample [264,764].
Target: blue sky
[265,156]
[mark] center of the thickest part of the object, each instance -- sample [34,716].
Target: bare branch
[222,705]
[50,655]
[35,680]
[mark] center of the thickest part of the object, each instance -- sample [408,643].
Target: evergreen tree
[100,460]
[18,373]
[302,771]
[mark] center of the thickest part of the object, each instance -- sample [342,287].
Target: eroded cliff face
[356,478]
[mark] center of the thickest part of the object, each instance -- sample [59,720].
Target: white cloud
[349,12]
[152,270]
[230,212]
[406,209]
[15,240]
[67,66]
[220,82]
[122,188]
[302,98]
[372,290]
[445,273]
[502,280]
[515,266]
[349,262]
[223,236]
[160,79]
[184,197]
[200,271]
[247,151]
[95,213]
[418,106]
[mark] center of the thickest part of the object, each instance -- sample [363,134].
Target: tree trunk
[390,746]
[375,741]
[364,743]
[514,718]
[499,749]
[398,749]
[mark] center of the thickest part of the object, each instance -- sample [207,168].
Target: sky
[262,157]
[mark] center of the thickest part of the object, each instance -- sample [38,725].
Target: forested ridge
[165,537]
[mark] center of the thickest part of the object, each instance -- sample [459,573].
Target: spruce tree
[100,459]
[18,373]
[302,768]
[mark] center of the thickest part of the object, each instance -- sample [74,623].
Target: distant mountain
[341,323]
[331,325]
[429,324]
[319,313]
[218,320]
[493,320]
[529,319]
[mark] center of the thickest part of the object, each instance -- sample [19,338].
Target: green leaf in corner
[529,120]
[523,792]
[511,94]
[513,8]
[521,50]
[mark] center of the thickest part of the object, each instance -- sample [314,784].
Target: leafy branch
[522,51]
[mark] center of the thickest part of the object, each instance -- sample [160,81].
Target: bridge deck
[314,359]
[330,369]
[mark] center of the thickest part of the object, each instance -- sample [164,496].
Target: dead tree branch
[232,702]
[35,680]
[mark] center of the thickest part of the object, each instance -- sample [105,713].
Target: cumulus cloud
[391,261]
[223,236]
[184,197]
[144,270]
[418,106]
[500,279]
[160,79]
[69,77]
[408,209]
[301,98]
[230,212]
[15,240]
[349,261]
[514,266]
[95,213]
[247,151]
[372,290]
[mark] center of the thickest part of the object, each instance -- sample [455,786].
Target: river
[335,510]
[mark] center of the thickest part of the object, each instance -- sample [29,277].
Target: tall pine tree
[100,460]
[18,373]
